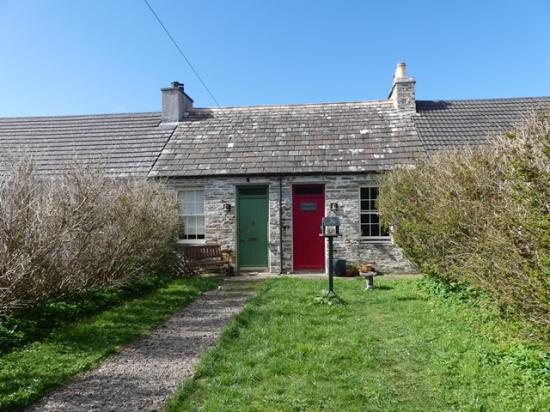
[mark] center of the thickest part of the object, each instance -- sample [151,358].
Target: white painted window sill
[191,242]
[380,240]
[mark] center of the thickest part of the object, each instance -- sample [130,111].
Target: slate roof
[450,123]
[350,137]
[124,144]
[310,138]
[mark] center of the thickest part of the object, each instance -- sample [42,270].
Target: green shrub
[480,216]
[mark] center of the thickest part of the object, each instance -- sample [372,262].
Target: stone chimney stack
[175,103]
[402,92]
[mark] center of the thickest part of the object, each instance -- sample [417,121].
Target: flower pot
[367,267]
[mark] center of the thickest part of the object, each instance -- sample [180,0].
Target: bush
[80,230]
[480,216]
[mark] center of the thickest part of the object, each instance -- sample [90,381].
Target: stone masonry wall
[403,95]
[221,226]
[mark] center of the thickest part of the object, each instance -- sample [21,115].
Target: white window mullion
[370,225]
[192,214]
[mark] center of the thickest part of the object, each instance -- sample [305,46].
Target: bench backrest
[202,251]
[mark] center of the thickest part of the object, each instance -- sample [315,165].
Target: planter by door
[252,212]
[308,208]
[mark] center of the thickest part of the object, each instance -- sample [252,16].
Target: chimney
[175,103]
[402,91]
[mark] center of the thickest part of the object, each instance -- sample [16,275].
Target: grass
[35,323]
[395,348]
[103,321]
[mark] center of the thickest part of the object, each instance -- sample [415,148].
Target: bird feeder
[330,226]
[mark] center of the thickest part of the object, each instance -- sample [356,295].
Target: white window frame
[371,239]
[183,215]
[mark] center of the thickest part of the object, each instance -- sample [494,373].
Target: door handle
[253,239]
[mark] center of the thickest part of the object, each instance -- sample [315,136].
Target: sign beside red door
[308,208]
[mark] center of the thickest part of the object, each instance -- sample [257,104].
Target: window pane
[308,190]
[370,218]
[199,207]
[197,196]
[181,228]
[187,196]
[200,225]
[374,193]
[187,208]
[192,212]
[195,225]
[308,206]
[190,227]
[181,199]
[368,198]
[251,191]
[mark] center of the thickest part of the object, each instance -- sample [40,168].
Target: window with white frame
[191,212]
[370,217]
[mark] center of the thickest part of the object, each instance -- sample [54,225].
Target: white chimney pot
[401,71]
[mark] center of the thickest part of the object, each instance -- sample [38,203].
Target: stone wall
[221,226]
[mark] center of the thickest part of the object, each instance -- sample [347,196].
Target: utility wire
[181,52]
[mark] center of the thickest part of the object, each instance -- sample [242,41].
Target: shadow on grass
[382,287]
[330,300]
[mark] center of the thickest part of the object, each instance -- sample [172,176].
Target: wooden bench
[207,258]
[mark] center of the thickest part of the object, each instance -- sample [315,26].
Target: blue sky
[101,56]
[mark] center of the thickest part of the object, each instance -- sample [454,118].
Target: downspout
[281,223]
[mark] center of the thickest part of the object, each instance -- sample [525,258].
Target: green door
[252,227]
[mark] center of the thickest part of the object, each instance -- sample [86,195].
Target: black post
[330,280]
[281,224]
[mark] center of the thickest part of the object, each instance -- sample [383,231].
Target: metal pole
[330,280]
[281,224]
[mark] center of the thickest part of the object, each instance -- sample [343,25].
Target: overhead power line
[181,51]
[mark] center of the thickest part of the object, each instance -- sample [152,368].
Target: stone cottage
[258,179]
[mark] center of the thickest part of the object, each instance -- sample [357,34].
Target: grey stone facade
[221,225]
[341,145]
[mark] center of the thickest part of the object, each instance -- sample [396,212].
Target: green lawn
[107,319]
[396,348]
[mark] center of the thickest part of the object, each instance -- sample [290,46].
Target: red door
[308,208]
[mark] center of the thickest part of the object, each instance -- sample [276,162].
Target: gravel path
[146,373]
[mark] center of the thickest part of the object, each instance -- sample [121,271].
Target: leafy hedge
[481,216]
[81,230]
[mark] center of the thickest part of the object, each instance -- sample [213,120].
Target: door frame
[237,243]
[307,184]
